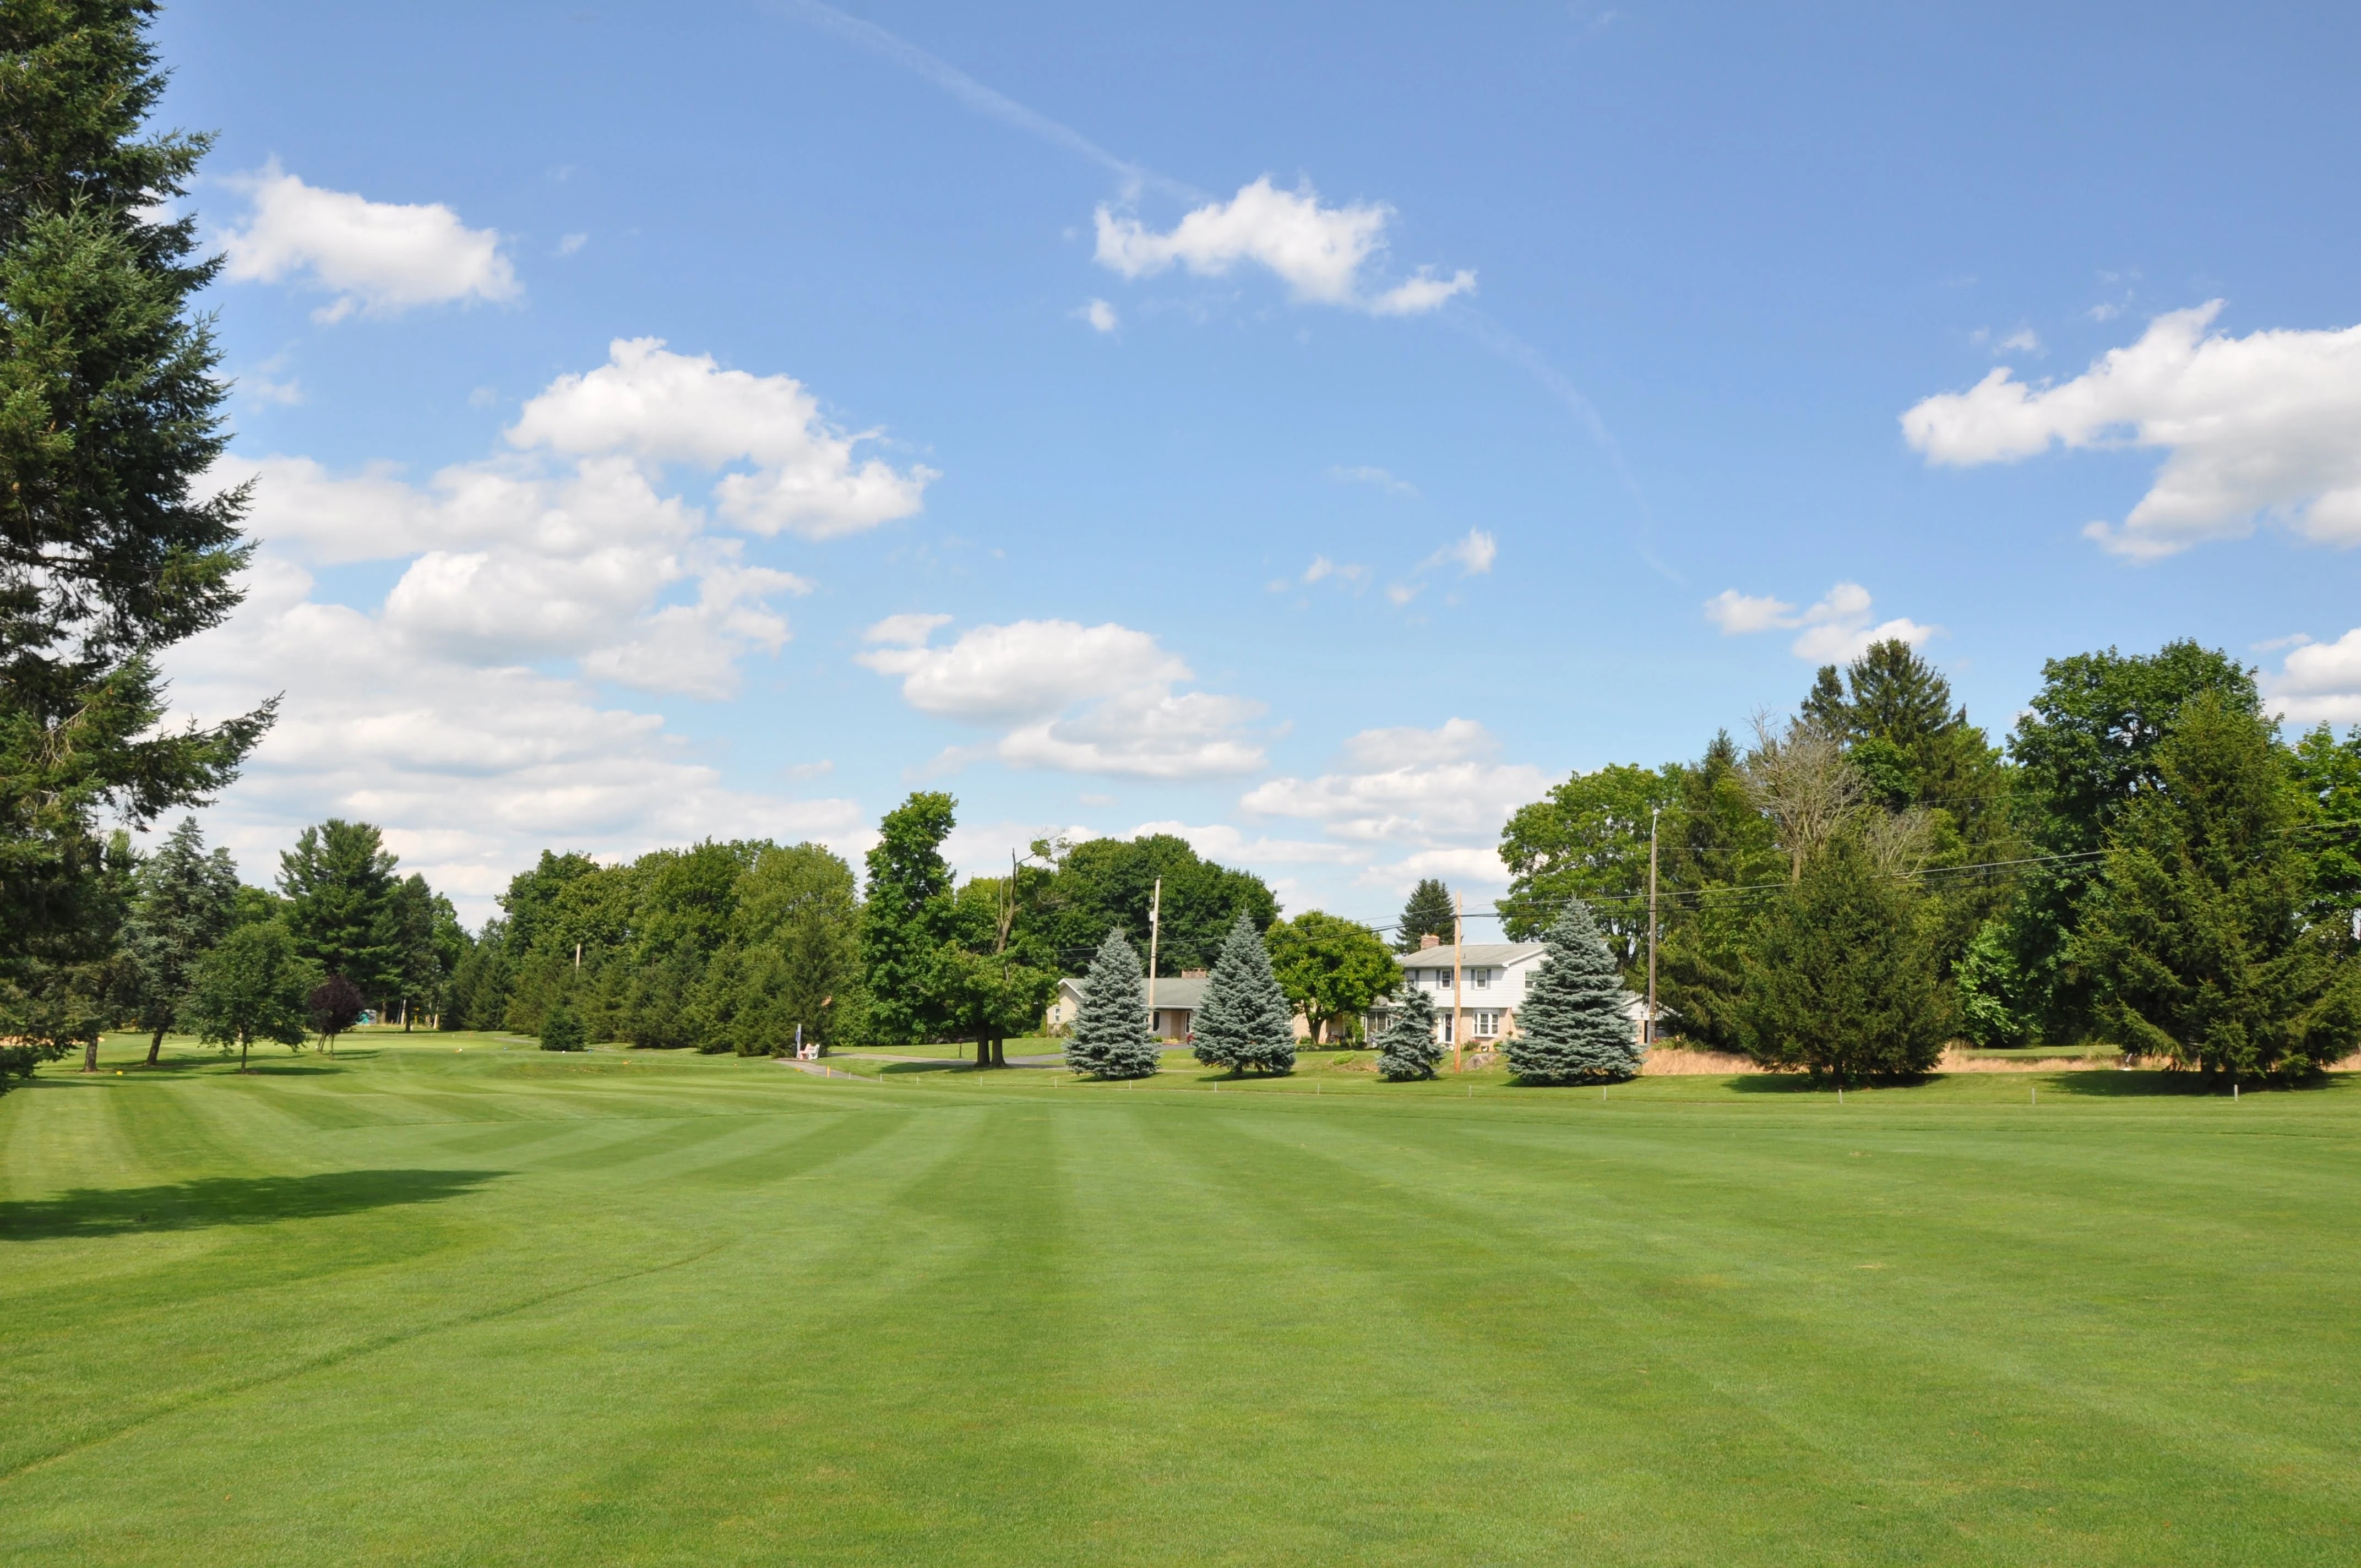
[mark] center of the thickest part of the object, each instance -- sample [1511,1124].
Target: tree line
[2145,862]
[754,948]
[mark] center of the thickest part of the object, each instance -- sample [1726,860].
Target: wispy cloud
[1367,475]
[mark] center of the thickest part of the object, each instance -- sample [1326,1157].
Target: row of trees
[2145,863]
[751,946]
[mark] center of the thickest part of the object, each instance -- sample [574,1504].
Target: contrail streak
[976,95]
[1007,111]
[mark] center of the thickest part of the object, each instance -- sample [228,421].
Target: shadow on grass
[229,1201]
[2113,1084]
[895,1068]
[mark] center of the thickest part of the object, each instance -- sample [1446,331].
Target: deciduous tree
[1333,969]
[253,986]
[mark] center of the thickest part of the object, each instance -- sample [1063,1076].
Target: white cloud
[571,243]
[1366,475]
[1322,568]
[904,630]
[1090,699]
[379,257]
[1737,613]
[1100,315]
[1436,796]
[1834,631]
[1473,556]
[661,407]
[471,767]
[1418,295]
[2321,681]
[463,711]
[2023,340]
[2253,427]
[1318,251]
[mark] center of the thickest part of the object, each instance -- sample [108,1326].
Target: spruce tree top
[1428,913]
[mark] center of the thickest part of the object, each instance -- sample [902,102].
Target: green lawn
[427,1305]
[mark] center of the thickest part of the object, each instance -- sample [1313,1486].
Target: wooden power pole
[1154,920]
[1648,1026]
[1458,940]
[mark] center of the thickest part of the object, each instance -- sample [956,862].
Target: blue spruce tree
[1245,1023]
[1110,1037]
[1573,1027]
[1408,1049]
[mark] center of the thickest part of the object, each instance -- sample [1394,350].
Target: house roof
[1485,953]
[1171,991]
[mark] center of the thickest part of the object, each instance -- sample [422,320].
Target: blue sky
[1312,429]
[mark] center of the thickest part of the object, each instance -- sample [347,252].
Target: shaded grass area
[452,1301]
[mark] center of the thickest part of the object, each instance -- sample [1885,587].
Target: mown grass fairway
[428,1306]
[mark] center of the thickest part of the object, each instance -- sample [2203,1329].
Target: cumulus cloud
[1091,699]
[1100,315]
[661,407]
[471,767]
[1834,631]
[1319,252]
[2321,681]
[1435,798]
[378,258]
[1322,568]
[464,710]
[2256,427]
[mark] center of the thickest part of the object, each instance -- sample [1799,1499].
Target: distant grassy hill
[451,1300]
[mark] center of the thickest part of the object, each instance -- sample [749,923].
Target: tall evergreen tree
[1427,914]
[343,906]
[906,916]
[1110,1037]
[1407,1048]
[110,413]
[185,903]
[2085,749]
[1245,1023]
[2196,934]
[1573,1027]
[1840,974]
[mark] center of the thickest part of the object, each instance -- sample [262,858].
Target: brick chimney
[1429,940]
[1196,974]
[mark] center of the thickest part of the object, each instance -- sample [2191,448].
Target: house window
[1487,1024]
[1479,978]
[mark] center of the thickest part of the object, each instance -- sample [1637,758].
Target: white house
[1492,981]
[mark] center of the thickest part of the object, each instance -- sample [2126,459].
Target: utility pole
[1154,921]
[1648,1028]
[1458,939]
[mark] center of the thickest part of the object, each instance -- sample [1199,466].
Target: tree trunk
[241,1053]
[405,1016]
[999,1051]
[89,1055]
[982,1051]
[155,1047]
